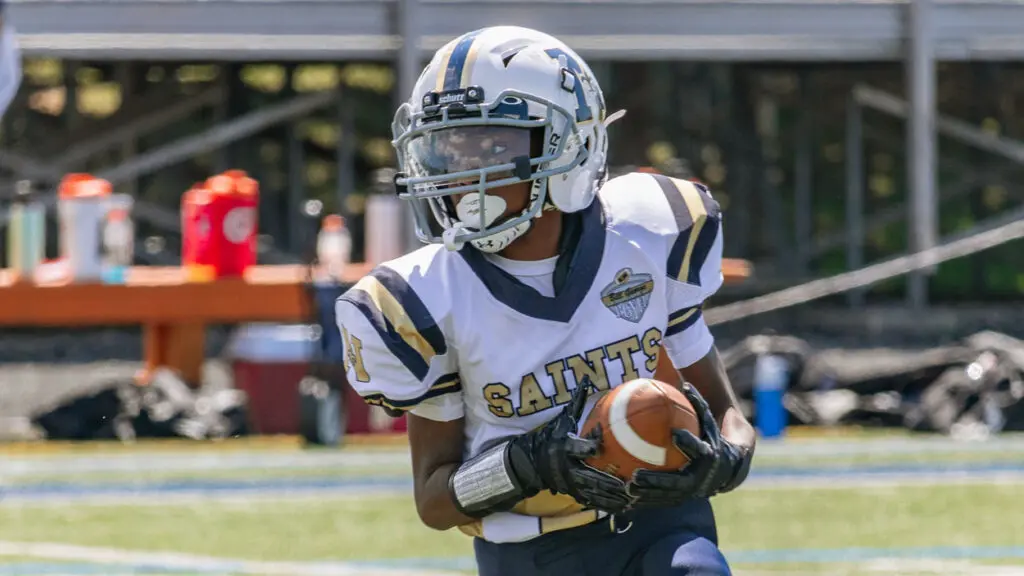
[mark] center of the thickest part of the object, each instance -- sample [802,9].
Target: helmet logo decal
[575,71]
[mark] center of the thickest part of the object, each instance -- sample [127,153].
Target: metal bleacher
[912,34]
[808,30]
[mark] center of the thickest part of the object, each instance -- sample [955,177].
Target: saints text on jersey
[593,365]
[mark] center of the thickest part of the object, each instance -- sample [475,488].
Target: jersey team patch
[628,295]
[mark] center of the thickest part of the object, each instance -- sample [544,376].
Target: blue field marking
[243,487]
[887,469]
[57,489]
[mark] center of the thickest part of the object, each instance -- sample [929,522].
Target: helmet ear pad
[537,150]
[575,190]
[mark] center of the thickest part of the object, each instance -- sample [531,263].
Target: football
[636,420]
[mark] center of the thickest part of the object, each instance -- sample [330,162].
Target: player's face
[469,148]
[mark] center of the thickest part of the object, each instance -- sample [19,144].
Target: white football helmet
[495,107]
[10,62]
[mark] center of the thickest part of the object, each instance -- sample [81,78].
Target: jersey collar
[524,299]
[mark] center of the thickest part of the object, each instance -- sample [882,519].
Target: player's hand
[716,465]
[558,453]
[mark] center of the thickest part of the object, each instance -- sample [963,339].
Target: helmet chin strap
[491,244]
[450,237]
[470,216]
[498,242]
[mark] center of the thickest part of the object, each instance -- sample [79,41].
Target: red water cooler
[219,225]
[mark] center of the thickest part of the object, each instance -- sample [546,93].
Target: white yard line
[927,567]
[894,567]
[207,564]
[840,481]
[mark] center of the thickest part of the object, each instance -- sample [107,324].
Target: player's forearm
[710,378]
[737,429]
[451,491]
[434,500]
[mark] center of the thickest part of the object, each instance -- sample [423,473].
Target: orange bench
[174,313]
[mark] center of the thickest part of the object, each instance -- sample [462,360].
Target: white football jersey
[451,335]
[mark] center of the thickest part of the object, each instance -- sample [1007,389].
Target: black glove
[548,458]
[553,459]
[715,466]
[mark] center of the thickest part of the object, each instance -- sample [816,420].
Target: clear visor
[456,150]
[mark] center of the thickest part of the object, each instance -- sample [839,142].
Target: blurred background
[186,187]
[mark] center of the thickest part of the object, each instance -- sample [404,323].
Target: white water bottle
[82,209]
[334,246]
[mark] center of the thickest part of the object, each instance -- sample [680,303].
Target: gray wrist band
[485,483]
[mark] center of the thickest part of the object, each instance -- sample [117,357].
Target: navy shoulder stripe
[698,217]
[400,318]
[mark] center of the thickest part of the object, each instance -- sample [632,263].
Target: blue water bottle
[771,375]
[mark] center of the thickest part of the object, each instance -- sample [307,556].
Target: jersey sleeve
[396,355]
[693,267]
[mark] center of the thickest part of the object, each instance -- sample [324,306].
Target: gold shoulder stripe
[395,314]
[683,317]
[401,319]
[697,217]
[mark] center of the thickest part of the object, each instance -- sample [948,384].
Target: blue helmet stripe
[453,73]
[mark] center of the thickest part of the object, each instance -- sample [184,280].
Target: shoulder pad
[391,324]
[678,218]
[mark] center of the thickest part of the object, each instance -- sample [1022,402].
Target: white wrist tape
[485,481]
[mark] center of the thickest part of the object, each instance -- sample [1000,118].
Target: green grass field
[914,523]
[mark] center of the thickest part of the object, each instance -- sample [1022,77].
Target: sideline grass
[387,527]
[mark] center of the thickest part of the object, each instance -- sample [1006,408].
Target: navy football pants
[669,542]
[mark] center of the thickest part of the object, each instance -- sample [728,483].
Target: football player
[10,62]
[541,287]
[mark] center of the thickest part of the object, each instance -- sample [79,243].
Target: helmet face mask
[458,150]
[481,148]
[518,107]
